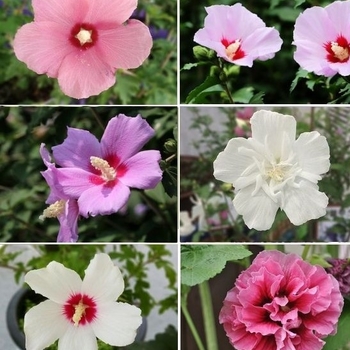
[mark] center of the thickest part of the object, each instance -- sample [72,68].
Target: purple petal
[77,149]
[103,199]
[143,170]
[69,222]
[124,136]
[45,155]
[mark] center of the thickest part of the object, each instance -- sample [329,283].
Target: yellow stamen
[276,173]
[108,173]
[232,48]
[53,210]
[84,36]
[79,312]
[342,53]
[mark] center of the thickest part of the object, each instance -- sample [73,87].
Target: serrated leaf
[169,181]
[301,74]
[189,66]
[203,262]
[243,95]
[209,82]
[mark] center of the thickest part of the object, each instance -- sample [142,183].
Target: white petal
[117,323]
[78,338]
[55,282]
[258,211]
[304,203]
[237,158]
[313,154]
[186,226]
[43,325]
[103,280]
[271,129]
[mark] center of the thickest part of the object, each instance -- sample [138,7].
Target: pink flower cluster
[281,302]
[95,177]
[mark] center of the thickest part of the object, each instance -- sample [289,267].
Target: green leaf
[243,95]
[189,66]
[318,260]
[208,86]
[301,74]
[203,262]
[258,98]
[298,3]
[169,181]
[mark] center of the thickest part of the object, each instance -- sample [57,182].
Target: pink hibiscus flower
[238,35]
[322,38]
[281,302]
[62,207]
[99,174]
[82,43]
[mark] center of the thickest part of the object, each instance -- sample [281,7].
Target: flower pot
[17,308]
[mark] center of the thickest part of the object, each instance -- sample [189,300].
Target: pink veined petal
[117,323]
[69,222]
[103,199]
[43,325]
[76,149]
[143,170]
[341,68]
[258,211]
[78,338]
[64,12]
[74,181]
[55,282]
[125,46]
[338,13]
[50,48]
[124,136]
[103,279]
[84,73]
[110,11]
[309,198]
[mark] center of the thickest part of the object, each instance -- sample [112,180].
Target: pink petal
[125,46]
[49,50]
[124,136]
[110,11]
[143,170]
[64,12]
[69,222]
[103,199]
[84,73]
[76,149]
[339,12]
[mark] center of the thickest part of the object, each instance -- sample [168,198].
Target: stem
[224,82]
[170,158]
[192,326]
[305,251]
[97,118]
[208,316]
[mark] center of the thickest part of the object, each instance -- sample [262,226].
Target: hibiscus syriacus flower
[62,207]
[79,311]
[272,170]
[322,38]
[99,174]
[82,43]
[281,302]
[238,35]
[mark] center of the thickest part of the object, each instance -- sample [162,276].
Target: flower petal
[76,149]
[125,46]
[69,222]
[103,279]
[124,136]
[84,73]
[258,211]
[50,49]
[43,325]
[143,170]
[103,199]
[307,197]
[273,130]
[55,282]
[107,11]
[117,323]
[313,155]
[78,338]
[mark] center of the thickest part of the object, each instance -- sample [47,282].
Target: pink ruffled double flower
[99,175]
[281,302]
[83,42]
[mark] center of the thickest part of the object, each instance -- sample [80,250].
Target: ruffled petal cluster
[322,39]
[82,43]
[272,170]
[238,35]
[77,311]
[281,302]
[340,269]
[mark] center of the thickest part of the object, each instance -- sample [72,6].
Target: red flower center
[233,49]
[338,51]
[80,309]
[83,36]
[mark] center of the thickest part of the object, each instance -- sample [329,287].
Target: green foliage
[202,262]
[149,215]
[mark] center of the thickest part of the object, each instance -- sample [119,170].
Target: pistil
[79,312]
[84,36]
[108,173]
